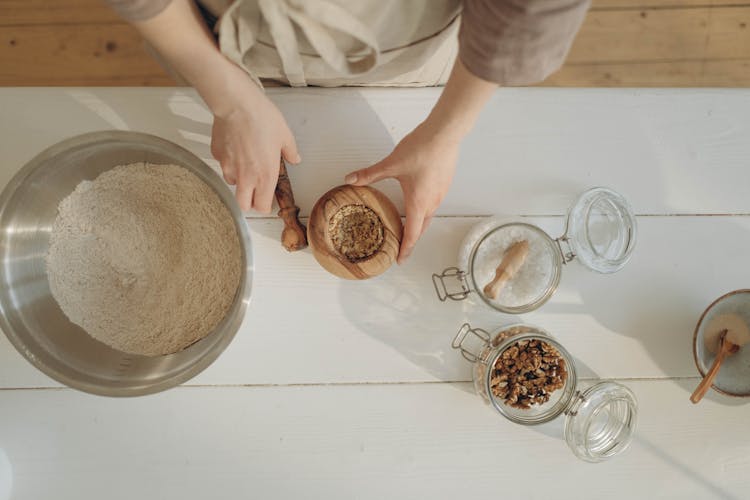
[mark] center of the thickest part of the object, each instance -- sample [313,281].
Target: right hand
[249,135]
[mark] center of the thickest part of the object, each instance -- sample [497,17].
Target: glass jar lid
[601,230]
[600,421]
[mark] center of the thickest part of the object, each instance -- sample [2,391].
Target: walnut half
[527,372]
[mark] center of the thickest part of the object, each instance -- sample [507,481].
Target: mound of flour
[145,258]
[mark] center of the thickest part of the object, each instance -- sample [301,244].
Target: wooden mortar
[321,242]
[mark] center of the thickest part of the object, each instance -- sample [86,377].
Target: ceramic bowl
[733,378]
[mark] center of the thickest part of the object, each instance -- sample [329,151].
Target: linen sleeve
[518,42]
[137,10]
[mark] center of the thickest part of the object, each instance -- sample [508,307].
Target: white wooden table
[335,389]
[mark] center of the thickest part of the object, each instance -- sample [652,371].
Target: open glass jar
[600,231]
[599,421]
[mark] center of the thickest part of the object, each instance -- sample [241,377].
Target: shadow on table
[689,385]
[176,115]
[689,474]
[6,476]
[346,132]
[400,309]
[395,309]
[406,315]
[669,303]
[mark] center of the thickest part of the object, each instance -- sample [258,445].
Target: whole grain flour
[145,258]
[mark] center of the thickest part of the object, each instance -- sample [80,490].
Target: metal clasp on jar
[463,332]
[438,281]
[567,253]
[575,403]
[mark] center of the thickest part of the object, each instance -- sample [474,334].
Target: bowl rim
[375,264]
[695,339]
[242,296]
[533,333]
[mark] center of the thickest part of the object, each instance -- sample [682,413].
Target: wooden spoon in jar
[733,333]
[512,261]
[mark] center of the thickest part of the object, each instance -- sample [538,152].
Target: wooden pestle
[294,235]
[512,261]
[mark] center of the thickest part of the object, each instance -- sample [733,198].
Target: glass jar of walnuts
[530,378]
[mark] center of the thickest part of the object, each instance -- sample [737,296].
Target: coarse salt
[533,278]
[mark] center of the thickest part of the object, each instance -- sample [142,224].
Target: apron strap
[316,19]
[282,31]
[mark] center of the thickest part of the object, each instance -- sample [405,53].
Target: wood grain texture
[726,348]
[85,54]
[294,235]
[44,12]
[663,4]
[708,73]
[653,35]
[622,43]
[321,240]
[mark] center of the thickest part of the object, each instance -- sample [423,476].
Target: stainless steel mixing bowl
[30,316]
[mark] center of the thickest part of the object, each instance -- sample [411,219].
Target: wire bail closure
[577,398]
[460,337]
[438,281]
[567,253]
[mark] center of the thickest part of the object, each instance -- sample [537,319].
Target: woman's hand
[248,137]
[249,134]
[423,162]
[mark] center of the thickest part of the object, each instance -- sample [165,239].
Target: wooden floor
[672,43]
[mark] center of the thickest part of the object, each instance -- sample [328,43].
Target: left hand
[423,163]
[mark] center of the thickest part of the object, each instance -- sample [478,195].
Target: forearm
[179,34]
[460,103]
[518,42]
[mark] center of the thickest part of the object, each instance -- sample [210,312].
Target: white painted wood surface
[358,394]
[356,441]
[531,152]
[394,329]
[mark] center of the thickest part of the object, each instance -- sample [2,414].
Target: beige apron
[337,42]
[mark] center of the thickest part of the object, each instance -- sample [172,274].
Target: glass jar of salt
[515,267]
[529,378]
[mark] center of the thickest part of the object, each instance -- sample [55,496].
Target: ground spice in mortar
[356,232]
[527,372]
[145,258]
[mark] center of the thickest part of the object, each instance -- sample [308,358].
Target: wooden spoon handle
[294,235]
[724,348]
[513,259]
